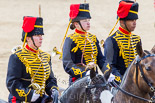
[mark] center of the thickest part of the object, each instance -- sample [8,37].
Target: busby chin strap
[34,42]
[126,26]
[81,26]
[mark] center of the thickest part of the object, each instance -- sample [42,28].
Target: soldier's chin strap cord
[81,26]
[34,42]
[84,44]
[126,26]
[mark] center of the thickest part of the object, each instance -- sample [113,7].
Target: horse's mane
[81,82]
[126,72]
[76,84]
[124,77]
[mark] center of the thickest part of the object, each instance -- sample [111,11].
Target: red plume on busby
[28,24]
[79,12]
[74,10]
[127,10]
[32,26]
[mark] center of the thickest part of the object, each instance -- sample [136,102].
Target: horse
[139,80]
[86,89]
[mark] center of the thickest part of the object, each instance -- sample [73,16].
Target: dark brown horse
[139,80]
[85,90]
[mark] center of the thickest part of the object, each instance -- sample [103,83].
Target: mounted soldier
[81,48]
[120,47]
[30,77]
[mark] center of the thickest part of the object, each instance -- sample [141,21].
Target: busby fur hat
[79,12]
[127,10]
[32,26]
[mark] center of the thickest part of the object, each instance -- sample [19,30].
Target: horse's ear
[92,73]
[139,49]
[153,49]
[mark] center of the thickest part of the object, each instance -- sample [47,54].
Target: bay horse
[139,80]
[86,89]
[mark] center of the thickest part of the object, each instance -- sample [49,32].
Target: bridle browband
[144,78]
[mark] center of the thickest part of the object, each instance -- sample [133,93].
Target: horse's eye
[148,68]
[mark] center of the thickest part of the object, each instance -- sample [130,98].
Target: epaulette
[45,54]
[16,49]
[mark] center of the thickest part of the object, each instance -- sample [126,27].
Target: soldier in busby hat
[120,47]
[30,76]
[81,48]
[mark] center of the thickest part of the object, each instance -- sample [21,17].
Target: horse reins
[130,94]
[145,79]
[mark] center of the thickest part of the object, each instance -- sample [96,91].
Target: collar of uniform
[31,49]
[79,32]
[124,31]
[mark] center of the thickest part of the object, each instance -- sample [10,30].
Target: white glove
[55,95]
[88,73]
[91,65]
[35,96]
[111,78]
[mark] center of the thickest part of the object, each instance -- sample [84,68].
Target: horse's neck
[130,83]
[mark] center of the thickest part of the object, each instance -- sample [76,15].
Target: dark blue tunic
[120,51]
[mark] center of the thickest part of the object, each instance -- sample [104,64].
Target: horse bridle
[91,86]
[142,73]
[144,78]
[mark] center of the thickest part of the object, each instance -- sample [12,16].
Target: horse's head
[96,85]
[146,65]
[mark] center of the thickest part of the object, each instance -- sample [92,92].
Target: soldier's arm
[111,52]
[13,81]
[68,58]
[104,67]
[51,82]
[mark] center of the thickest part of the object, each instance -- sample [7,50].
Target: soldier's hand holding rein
[91,65]
[35,96]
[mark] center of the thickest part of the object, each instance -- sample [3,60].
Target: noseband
[144,78]
[91,86]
